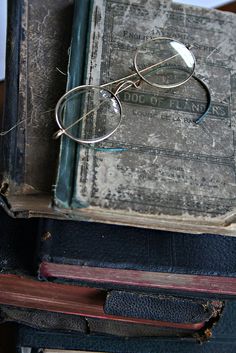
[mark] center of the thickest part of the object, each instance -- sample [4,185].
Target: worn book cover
[172,174]
[37,45]
[90,245]
[223,341]
[38,41]
[180,315]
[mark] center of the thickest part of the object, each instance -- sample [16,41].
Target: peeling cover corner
[205,334]
[6,205]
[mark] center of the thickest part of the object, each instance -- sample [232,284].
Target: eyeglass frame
[123,81]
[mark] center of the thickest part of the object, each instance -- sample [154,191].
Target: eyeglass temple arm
[141,71]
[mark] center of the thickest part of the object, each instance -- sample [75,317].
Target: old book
[185,314]
[223,340]
[38,41]
[106,255]
[49,320]
[19,288]
[90,254]
[173,173]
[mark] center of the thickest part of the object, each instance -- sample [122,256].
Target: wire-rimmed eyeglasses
[94,113]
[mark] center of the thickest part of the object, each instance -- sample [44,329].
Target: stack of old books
[117,254]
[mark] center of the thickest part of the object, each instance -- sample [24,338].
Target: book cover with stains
[172,173]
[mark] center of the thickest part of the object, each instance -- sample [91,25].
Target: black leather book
[23,298]
[223,340]
[128,311]
[97,253]
[135,264]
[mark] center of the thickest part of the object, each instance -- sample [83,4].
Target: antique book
[46,341]
[107,255]
[38,41]
[178,307]
[72,323]
[90,254]
[170,173]
[170,312]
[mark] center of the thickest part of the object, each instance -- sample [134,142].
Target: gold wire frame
[123,84]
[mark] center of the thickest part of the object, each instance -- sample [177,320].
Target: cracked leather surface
[158,307]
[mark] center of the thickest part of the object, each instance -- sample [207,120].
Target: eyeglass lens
[90,112]
[164,62]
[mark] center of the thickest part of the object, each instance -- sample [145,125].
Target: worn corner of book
[58,203]
[4,185]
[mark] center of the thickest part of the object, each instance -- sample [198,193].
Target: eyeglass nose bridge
[125,85]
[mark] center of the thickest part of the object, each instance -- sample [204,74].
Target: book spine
[85,158]
[11,163]
[63,189]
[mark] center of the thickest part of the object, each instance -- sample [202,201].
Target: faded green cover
[77,57]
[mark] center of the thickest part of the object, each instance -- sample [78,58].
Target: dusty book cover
[38,41]
[173,174]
